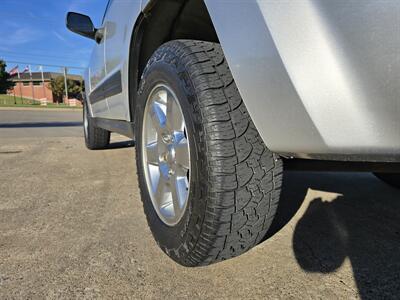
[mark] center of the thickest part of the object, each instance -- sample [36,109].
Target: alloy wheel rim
[166,154]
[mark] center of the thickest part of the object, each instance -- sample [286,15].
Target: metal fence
[33,85]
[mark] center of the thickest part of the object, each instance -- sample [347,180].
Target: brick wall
[37,92]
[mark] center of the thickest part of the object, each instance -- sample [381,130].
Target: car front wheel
[209,185]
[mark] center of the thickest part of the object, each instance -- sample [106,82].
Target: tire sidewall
[175,240]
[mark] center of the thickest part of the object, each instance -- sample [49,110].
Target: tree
[5,82]
[57,86]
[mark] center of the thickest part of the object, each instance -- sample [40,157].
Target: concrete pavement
[36,122]
[72,226]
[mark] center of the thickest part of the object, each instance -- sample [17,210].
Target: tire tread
[98,138]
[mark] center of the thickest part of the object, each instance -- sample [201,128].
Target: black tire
[95,137]
[392,179]
[235,179]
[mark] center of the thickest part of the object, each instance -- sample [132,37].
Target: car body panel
[111,56]
[144,4]
[119,23]
[95,74]
[320,78]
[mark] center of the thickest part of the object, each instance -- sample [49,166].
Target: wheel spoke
[174,115]
[160,190]
[178,191]
[158,117]
[152,153]
[182,153]
[175,196]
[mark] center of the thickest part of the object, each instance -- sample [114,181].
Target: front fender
[319,78]
[262,79]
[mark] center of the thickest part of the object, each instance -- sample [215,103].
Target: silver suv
[220,95]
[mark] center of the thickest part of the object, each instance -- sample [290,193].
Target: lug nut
[164,156]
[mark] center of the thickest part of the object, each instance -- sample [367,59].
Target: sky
[33,31]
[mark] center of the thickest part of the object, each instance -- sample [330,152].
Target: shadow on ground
[360,220]
[121,144]
[40,124]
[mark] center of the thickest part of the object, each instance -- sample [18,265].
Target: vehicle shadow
[40,124]
[361,224]
[121,144]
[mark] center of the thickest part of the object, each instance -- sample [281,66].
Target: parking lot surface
[72,226]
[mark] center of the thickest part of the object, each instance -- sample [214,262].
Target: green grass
[10,101]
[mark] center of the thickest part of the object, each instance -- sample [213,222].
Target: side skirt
[119,126]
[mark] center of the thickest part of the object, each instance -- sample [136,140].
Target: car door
[95,76]
[118,26]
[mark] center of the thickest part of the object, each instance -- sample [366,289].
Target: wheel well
[160,22]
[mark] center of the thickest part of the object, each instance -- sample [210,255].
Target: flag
[25,70]
[13,71]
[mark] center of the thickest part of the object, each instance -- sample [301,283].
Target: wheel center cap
[167,138]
